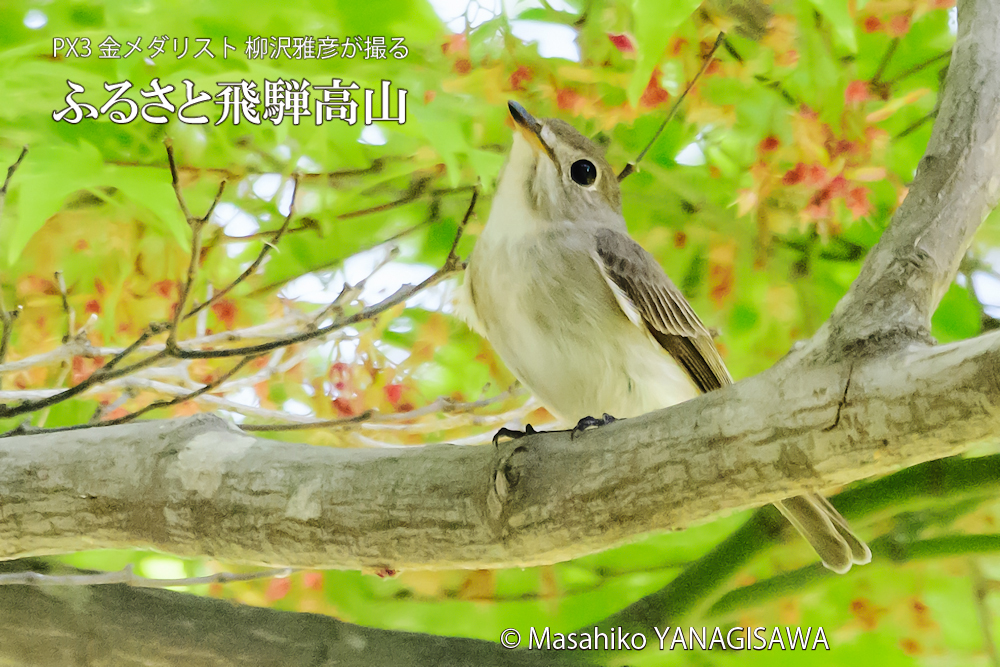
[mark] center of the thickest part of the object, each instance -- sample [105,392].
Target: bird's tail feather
[826,530]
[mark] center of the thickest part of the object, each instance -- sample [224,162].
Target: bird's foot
[588,423]
[512,434]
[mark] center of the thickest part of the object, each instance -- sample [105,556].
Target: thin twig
[329,178]
[326,423]
[175,181]
[916,125]
[451,265]
[416,190]
[400,296]
[916,68]
[264,252]
[266,234]
[765,81]
[876,79]
[196,225]
[779,88]
[70,324]
[7,318]
[102,374]
[415,193]
[25,429]
[127,395]
[369,420]
[631,166]
[128,577]
[443,405]
[452,260]
[43,414]
[81,347]
[327,265]
[179,399]
[11,169]
[349,293]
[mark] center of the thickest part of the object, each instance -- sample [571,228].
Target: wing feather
[641,287]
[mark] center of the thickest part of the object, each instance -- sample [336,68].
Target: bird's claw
[512,434]
[588,423]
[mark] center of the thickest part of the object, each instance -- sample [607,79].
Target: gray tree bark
[120,626]
[200,487]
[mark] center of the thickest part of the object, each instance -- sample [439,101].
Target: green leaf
[957,316]
[151,188]
[487,165]
[655,22]
[49,175]
[447,138]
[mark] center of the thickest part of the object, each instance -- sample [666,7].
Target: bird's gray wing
[649,299]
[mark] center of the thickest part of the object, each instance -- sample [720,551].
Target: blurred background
[782,168]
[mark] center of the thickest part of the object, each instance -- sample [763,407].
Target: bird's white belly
[625,377]
[566,338]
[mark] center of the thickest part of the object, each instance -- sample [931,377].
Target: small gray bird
[585,317]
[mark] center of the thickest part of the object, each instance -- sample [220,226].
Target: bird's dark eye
[583,172]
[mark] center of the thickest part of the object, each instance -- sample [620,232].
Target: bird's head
[559,174]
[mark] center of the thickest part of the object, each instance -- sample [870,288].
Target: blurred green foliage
[782,169]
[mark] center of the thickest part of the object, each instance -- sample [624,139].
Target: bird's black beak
[529,127]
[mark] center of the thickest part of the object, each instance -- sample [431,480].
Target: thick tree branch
[119,625]
[956,186]
[199,487]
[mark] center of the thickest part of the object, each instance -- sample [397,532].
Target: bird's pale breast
[561,332]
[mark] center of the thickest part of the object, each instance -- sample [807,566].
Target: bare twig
[916,125]
[43,414]
[24,429]
[452,261]
[70,318]
[106,372]
[337,262]
[916,68]
[876,79]
[10,175]
[349,293]
[451,265]
[180,399]
[175,181]
[417,191]
[326,423]
[127,576]
[631,166]
[398,297]
[393,420]
[10,172]
[369,420]
[264,252]
[196,225]
[127,395]
[7,318]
